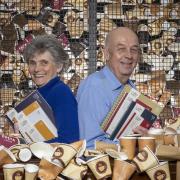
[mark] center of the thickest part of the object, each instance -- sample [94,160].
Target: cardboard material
[74,171]
[102,146]
[161,171]
[168,152]
[100,166]
[145,159]
[128,145]
[122,170]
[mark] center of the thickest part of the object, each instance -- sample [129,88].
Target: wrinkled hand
[140,130]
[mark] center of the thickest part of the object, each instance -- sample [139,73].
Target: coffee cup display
[63,154]
[145,159]
[122,170]
[48,170]
[15,149]
[13,171]
[168,152]
[24,154]
[6,156]
[170,139]
[128,145]
[41,149]
[102,146]
[74,171]
[80,147]
[116,154]
[31,171]
[161,171]
[100,166]
[146,141]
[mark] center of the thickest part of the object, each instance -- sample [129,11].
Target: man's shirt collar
[112,79]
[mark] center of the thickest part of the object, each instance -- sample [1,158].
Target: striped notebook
[131,109]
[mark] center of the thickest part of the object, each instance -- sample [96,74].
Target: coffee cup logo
[83,173]
[18,175]
[142,156]
[59,152]
[101,167]
[160,175]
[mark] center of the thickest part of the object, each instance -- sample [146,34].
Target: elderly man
[97,93]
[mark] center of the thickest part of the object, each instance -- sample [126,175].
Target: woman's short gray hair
[43,43]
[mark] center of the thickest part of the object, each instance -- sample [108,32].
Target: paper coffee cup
[122,170]
[80,147]
[158,134]
[48,169]
[159,139]
[64,153]
[168,152]
[100,166]
[116,155]
[160,171]
[31,171]
[146,141]
[128,145]
[13,171]
[74,171]
[6,156]
[24,154]
[155,131]
[145,159]
[102,146]
[41,149]
[15,148]
[170,139]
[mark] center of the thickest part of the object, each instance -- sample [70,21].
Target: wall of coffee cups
[81,26]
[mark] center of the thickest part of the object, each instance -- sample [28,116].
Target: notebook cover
[130,109]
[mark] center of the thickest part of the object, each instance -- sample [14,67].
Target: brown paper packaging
[168,152]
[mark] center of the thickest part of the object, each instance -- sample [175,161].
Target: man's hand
[140,130]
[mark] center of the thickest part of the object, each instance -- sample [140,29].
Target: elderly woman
[46,58]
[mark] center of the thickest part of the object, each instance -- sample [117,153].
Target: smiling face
[42,68]
[122,53]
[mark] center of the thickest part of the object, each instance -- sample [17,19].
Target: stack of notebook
[131,109]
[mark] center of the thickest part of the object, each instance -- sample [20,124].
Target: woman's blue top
[64,106]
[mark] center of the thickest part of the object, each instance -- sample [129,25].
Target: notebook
[131,109]
[34,117]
